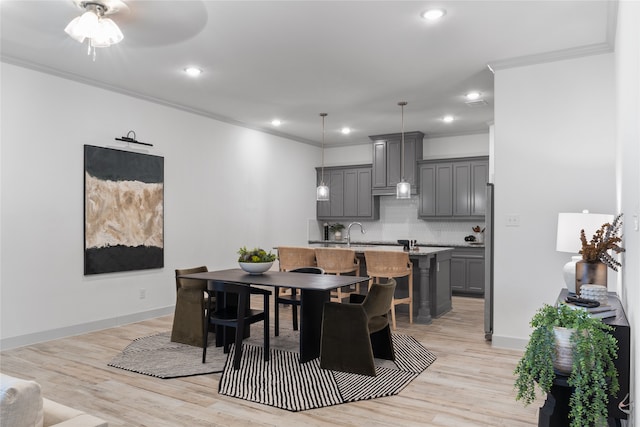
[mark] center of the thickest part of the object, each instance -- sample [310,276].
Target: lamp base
[569,273]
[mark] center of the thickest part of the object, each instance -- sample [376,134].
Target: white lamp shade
[403,190]
[322,193]
[106,34]
[569,226]
[83,26]
[102,32]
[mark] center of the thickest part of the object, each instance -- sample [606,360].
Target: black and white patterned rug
[285,383]
[157,356]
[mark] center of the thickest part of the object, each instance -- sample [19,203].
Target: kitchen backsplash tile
[399,220]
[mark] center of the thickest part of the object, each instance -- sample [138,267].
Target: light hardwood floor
[471,384]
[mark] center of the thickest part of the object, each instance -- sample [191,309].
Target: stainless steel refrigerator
[488,264]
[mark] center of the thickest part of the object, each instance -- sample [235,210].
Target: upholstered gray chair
[188,319]
[353,334]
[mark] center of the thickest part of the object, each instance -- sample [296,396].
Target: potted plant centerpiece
[256,260]
[592,269]
[568,342]
[336,229]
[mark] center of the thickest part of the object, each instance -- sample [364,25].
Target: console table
[555,411]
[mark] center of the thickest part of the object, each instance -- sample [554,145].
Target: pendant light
[403,188]
[322,192]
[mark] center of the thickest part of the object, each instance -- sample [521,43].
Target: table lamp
[568,239]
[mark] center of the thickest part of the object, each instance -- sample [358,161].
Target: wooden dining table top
[304,281]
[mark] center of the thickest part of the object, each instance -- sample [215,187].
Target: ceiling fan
[94,27]
[148,23]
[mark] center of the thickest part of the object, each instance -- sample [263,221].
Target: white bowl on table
[255,267]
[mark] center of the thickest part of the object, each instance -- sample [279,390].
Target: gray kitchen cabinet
[467,271]
[387,165]
[350,195]
[453,188]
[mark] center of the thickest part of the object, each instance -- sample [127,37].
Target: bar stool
[389,265]
[292,257]
[338,261]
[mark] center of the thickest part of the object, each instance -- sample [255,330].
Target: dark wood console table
[555,411]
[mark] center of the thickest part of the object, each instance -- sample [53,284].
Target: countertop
[360,248]
[421,245]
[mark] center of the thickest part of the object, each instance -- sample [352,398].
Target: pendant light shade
[403,188]
[322,192]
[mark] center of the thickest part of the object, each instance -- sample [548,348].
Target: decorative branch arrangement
[606,238]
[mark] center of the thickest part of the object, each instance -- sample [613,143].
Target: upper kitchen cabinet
[350,195]
[453,188]
[387,152]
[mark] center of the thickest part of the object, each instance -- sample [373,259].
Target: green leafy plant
[336,227]
[593,376]
[255,255]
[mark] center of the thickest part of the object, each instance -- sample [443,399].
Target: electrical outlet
[513,220]
[143,293]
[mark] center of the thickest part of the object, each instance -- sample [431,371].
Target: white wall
[555,152]
[225,187]
[628,127]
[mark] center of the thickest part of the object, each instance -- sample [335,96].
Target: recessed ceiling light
[433,14]
[472,96]
[276,122]
[346,130]
[193,71]
[447,119]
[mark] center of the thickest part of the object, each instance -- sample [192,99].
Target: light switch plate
[513,220]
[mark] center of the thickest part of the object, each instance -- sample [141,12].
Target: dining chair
[189,314]
[354,333]
[292,299]
[338,261]
[232,309]
[391,264]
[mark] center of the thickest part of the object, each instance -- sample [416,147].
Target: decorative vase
[255,268]
[563,361]
[590,273]
[337,235]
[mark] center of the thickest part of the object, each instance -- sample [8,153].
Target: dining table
[315,291]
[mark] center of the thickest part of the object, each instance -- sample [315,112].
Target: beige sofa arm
[59,415]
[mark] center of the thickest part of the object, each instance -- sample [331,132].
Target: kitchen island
[431,276]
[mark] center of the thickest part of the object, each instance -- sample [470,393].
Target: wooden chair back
[292,257]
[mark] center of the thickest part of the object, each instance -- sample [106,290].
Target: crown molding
[607,46]
[94,83]
[557,55]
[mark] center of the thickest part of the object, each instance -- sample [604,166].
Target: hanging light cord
[323,115]
[402,104]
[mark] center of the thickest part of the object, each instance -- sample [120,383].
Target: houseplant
[336,229]
[256,260]
[593,375]
[596,256]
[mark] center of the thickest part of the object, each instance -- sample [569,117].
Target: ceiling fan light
[82,26]
[73,30]
[106,33]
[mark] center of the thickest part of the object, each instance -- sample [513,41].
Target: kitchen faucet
[349,232]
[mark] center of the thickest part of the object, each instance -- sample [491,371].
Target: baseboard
[510,343]
[69,331]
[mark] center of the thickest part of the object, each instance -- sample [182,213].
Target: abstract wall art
[123,210]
